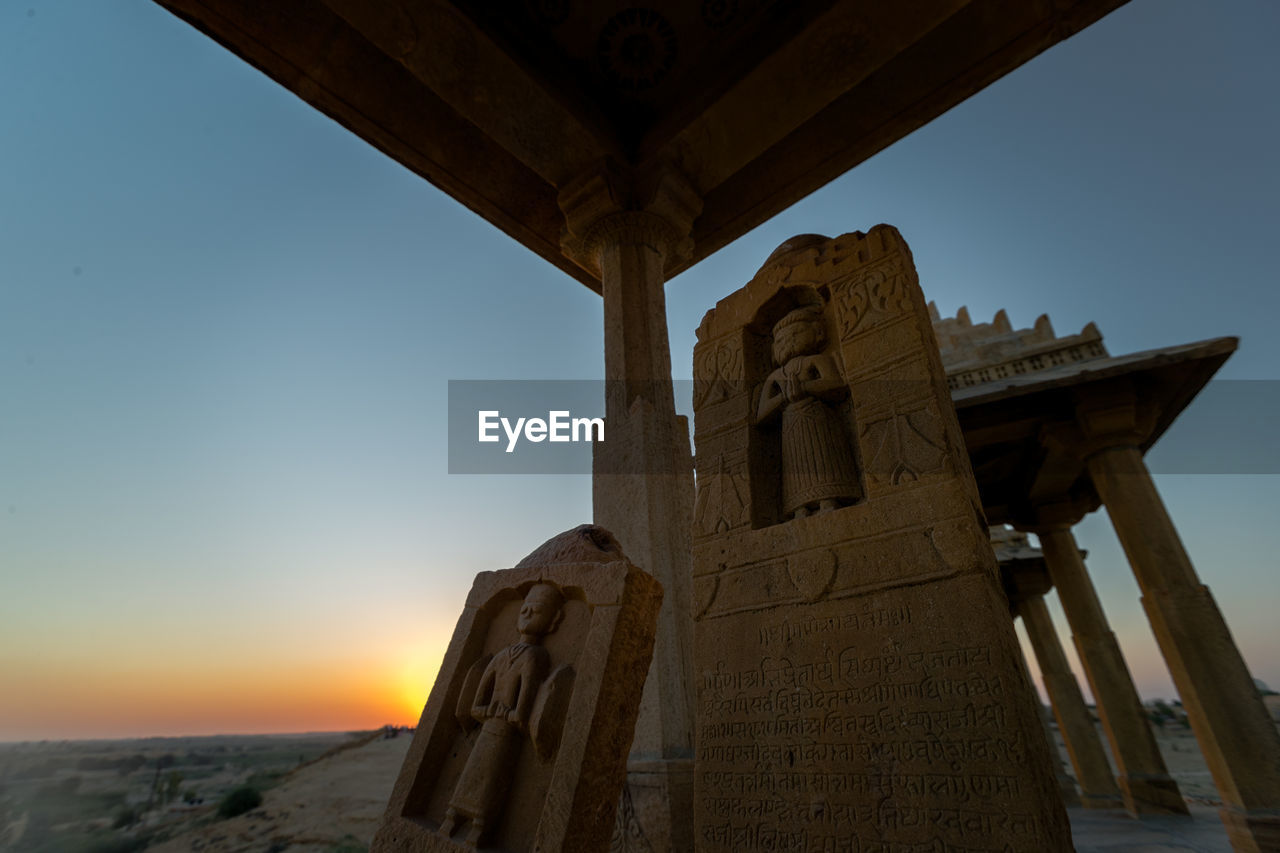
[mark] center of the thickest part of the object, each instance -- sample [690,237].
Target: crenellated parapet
[977,353]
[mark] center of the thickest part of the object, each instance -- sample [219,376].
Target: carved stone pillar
[1143,778]
[849,615]
[1231,724]
[1097,786]
[642,489]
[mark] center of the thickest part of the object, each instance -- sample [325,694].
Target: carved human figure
[502,703]
[819,472]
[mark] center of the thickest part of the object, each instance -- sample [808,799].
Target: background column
[1098,788]
[1067,785]
[1144,780]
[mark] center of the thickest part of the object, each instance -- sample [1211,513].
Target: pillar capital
[1108,416]
[1051,516]
[1024,579]
[630,228]
[612,203]
[1114,418]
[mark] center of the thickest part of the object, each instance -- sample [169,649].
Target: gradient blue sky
[227,324]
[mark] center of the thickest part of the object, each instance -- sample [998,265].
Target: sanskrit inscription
[850,723]
[783,631]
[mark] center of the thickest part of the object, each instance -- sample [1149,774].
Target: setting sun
[416,677]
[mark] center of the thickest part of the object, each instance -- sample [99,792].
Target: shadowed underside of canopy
[754,103]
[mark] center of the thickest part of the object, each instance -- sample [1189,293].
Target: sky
[227,327]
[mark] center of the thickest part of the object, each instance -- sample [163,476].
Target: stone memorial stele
[858,675]
[522,745]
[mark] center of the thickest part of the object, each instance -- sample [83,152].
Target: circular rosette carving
[718,13]
[637,47]
[812,573]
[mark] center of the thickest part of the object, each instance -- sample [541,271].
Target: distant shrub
[239,801]
[126,817]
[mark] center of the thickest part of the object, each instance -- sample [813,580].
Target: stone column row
[1144,780]
[1236,735]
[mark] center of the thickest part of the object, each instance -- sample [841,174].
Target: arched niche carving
[803,455]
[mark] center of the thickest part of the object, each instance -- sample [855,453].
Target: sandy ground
[1181,756]
[1186,765]
[335,803]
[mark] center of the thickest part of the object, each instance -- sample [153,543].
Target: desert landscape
[119,796]
[321,793]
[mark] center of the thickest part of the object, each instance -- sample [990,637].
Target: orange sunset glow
[93,702]
[114,691]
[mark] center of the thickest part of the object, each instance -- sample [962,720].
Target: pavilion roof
[504,105]
[1005,421]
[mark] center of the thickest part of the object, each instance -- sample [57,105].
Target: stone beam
[444,50]
[977,45]
[311,50]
